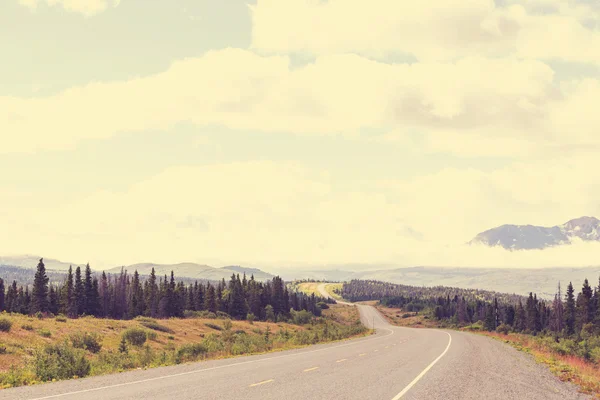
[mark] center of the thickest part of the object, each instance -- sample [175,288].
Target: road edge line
[422,374]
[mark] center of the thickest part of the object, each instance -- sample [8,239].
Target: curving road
[394,363]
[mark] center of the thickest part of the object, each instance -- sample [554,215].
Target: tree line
[574,314]
[126,296]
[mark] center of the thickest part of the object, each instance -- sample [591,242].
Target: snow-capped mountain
[524,237]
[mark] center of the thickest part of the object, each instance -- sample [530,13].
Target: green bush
[250,317]
[223,315]
[503,328]
[39,315]
[3,349]
[87,341]
[302,317]
[45,333]
[135,336]
[152,335]
[213,326]
[60,361]
[322,305]
[27,327]
[190,352]
[227,325]
[199,314]
[152,324]
[60,318]
[5,325]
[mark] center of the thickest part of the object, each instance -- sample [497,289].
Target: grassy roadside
[39,350]
[568,368]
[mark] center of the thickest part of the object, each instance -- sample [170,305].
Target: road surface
[394,363]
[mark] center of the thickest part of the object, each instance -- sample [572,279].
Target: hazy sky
[296,132]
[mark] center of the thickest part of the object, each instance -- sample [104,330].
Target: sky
[305,133]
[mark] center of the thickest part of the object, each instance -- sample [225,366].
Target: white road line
[310,369]
[262,383]
[422,374]
[342,360]
[54,396]
[362,354]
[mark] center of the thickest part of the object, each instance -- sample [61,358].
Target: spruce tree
[570,310]
[79,292]
[90,298]
[2,295]
[39,300]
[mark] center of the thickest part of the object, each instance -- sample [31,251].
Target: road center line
[262,383]
[362,354]
[422,374]
[342,360]
[310,369]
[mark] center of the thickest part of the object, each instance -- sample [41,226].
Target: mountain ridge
[530,237]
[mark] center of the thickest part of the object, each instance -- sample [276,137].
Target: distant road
[392,364]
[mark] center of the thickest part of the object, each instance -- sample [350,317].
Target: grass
[568,368]
[191,339]
[313,288]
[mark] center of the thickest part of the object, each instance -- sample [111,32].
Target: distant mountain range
[196,271]
[187,270]
[527,237]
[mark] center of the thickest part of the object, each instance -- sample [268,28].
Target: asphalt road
[394,363]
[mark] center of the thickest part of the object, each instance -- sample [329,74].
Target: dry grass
[330,287]
[20,343]
[309,288]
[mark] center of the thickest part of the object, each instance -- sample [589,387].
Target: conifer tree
[570,310]
[40,289]
[79,292]
[2,295]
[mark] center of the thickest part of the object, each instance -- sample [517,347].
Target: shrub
[39,315]
[302,317]
[190,352]
[152,335]
[223,315]
[60,318]
[152,324]
[45,333]
[3,349]
[27,327]
[213,326]
[5,325]
[135,336]
[250,317]
[406,315]
[60,361]
[87,341]
[322,305]
[227,325]
[503,328]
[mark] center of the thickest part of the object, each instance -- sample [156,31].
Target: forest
[572,316]
[126,296]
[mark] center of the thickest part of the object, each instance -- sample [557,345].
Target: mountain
[194,271]
[31,262]
[527,237]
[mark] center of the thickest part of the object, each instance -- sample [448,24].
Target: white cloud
[335,94]
[87,8]
[280,213]
[429,30]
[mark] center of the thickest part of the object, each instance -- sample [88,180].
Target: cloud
[87,8]
[504,98]
[429,30]
[281,213]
